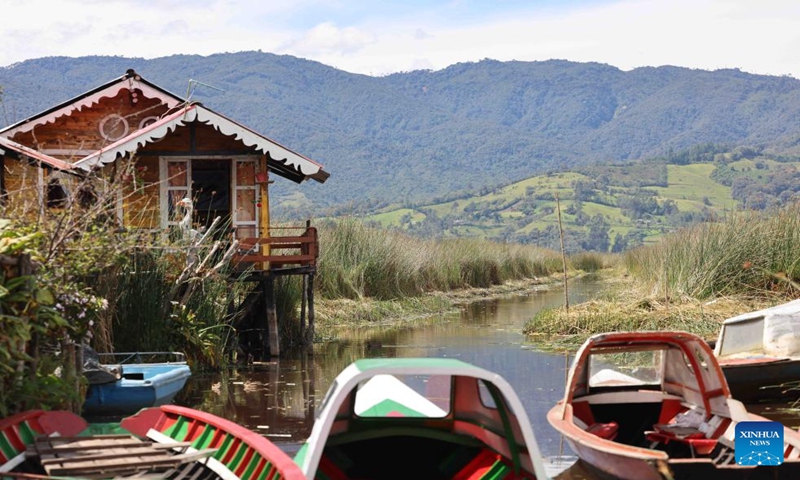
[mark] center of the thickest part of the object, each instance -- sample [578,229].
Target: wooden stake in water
[566,378]
[563,255]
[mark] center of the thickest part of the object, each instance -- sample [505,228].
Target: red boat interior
[478,436]
[651,423]
[413,451]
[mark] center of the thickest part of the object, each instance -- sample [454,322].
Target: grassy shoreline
[369,312]
[626,306]
[692,280]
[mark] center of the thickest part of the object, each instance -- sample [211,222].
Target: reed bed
[357,261]
[620,312]
[747,253]
[591,262]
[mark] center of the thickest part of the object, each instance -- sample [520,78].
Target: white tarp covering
[771,332]
[782,335]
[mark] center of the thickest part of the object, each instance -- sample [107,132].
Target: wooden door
[246,200]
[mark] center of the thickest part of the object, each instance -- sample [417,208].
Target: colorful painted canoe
[210,447]
[19,431]
[655,405]
[420,418]
[142,385]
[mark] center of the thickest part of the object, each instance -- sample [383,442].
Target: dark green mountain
[417,135]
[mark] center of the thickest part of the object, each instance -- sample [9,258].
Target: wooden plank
[275,258]
[117,468]
[273,240]
[105,455]
[91,437]
[111,455]
[277,246]
[55,449]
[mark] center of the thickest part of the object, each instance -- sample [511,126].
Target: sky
[377,37]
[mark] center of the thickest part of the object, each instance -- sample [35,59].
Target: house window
[56,194]
[113,127]
[217,187]
[86,196]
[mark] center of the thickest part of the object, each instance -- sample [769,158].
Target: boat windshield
[404,396]
[626,368]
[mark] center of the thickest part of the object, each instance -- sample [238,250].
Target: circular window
[113,127]
[147,121]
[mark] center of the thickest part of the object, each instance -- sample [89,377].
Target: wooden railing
[300,250]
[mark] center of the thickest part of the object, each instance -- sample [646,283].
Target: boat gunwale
[358,371]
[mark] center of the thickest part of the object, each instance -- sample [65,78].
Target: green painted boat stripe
[5,445]
[181,430]
[233,465]
[266,471]
[301,455]
[498,471]
[205,438]
[365,364]
[223,449]
[248,472]
[26,433]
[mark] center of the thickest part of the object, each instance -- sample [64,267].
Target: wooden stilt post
[272,318]
[563,254]
[310,330]
[303,339]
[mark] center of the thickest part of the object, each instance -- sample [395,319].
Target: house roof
[21,151]
[130,80]
[282,161]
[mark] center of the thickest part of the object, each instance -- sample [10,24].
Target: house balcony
[280,252]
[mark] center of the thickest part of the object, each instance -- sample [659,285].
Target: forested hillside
[610,207]
[413,136]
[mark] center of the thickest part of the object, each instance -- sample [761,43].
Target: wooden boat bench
[701,440]
[103,456]
[693,438]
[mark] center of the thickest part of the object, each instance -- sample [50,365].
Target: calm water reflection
[278,399]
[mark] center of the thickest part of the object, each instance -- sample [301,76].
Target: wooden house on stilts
[164,150]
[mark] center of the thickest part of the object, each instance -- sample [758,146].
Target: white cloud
[326,39]
[757,37]
[754,36]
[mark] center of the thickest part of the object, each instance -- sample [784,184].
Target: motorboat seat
[607,431]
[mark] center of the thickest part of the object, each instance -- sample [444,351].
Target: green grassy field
[525,207]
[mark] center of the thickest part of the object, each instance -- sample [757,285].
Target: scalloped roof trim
[196,112]
[89,101]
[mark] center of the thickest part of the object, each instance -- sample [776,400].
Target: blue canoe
[142,385]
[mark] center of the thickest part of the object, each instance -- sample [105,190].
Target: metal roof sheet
[7,145]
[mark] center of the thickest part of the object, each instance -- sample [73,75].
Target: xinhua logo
[759,443]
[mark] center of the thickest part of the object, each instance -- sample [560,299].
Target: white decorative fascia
[140,138]
[90,101]
[276,151]
[196,112]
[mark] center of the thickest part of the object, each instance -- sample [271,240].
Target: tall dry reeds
[358,261]
[748,252]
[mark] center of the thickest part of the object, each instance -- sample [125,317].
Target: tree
[597,238]
[620,244]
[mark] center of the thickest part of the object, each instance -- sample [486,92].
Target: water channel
[278,399]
